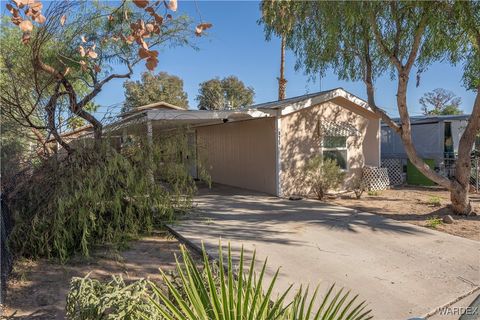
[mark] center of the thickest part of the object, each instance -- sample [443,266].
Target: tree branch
[378,37]
[419,30]
[50,109]
[98,86]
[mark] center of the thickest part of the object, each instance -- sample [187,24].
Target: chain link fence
[397,173]
[5,256]
[474,171]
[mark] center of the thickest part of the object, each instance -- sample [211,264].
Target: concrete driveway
[402,270]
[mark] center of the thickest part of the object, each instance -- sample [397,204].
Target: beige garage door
[240,154]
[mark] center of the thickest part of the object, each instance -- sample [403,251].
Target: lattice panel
[341,129]
[395,170]
[375,178]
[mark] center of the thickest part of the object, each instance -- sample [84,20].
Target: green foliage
[100,196]
[13,149]
[322,175]
[339,36]
[447,110]
[212,290]
[224,291]
[224,94]
[19,89]
[440,102]
[434,201]
[155,88]
[373,193]
[434,222]
[323,35]
[91,299]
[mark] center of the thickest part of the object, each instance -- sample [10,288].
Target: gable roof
[75,133]
[293,104]
[276,104]
[161,105]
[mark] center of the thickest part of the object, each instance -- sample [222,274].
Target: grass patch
[434,222]
[434,201]
[373,193]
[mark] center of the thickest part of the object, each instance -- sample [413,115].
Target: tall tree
[364,40]
[154,88]
[282,82]
[226,94]
[88,39]
[440,102]
[279,12]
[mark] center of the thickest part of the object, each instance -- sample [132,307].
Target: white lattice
[395,170]
[375,178]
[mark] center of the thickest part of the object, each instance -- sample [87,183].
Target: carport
[237,147]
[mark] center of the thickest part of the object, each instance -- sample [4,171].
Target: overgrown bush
[100,196]
[209,290]
[91,299]
[323,174]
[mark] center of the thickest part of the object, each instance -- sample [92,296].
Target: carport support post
[477,173]
[150,146]
[149,132]
[278,158]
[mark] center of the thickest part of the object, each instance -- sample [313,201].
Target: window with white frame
[335,148]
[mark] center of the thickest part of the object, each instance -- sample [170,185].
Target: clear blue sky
[236,46]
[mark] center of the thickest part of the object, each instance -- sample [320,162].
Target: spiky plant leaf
[221,291]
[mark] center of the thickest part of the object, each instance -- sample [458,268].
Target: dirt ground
[417,205]
[37,290]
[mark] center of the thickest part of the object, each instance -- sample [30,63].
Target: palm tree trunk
[282,82]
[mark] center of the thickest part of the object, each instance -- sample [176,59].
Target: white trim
[232,115]
[278,156]
[379,135]
[337,93]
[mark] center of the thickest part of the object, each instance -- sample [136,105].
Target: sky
[236,45]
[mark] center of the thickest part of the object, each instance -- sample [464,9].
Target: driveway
[403,271]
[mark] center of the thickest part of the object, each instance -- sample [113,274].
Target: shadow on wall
[302,140]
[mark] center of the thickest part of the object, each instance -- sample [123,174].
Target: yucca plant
[217,290]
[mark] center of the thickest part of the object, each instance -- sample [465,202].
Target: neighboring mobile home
[266,146]
[436,140]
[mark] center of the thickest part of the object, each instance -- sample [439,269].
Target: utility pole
[282,82]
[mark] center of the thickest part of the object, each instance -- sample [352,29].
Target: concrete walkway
[402,270]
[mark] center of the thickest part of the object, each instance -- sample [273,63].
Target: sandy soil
[414,205]
[37,290]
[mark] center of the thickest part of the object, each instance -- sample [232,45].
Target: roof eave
[319,99]
[205,114]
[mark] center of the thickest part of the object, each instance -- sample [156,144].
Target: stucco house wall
[301,140]
[240,153]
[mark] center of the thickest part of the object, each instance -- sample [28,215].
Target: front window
[335,148]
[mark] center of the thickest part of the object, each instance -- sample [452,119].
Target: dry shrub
[323,175]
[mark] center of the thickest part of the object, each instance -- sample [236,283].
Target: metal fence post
[477,175]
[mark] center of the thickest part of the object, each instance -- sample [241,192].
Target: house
[265,147]
[69,137]
[436,139]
